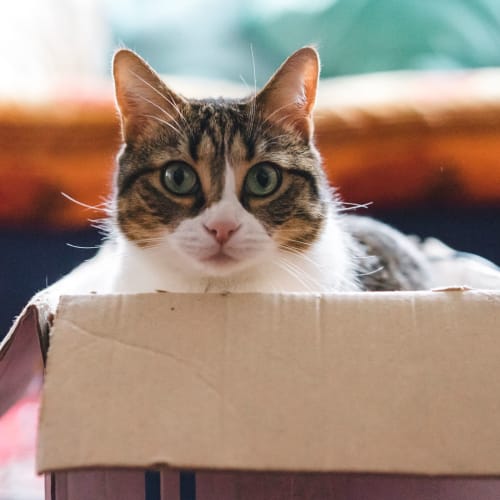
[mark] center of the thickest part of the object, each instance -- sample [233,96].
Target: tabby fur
[219,235]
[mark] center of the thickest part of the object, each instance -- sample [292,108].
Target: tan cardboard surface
[382,382]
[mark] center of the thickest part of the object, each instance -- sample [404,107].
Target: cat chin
[167,263]
[225,266]
[220,266]
[223,263]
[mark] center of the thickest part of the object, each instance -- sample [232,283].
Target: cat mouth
[219,259]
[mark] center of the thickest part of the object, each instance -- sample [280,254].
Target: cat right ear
[290,94]
[143,100]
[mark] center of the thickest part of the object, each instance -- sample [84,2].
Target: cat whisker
[299,268]
[312,284]
[374,271]
[288,248]
[163,96]
[353,206]
[291,246]
[285,119]
[269,122]
[303,256]
[242,78]
[253,104]
[290,271]
[165,112]
[179,112]
[254,72]
[363,257]
[319,286]
[168,124]
[104,227]
[98,208]
[269,117]
[83,247]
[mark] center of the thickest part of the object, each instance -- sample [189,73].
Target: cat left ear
[144,101]
[290,94]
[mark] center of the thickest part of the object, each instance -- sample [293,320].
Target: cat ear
[290,94]
[143,100]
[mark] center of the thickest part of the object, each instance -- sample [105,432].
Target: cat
[219,195]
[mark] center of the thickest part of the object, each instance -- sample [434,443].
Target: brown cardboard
[112,484]
[21,358]
[371,382]
[281,486]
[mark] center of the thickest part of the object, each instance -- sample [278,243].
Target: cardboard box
[361,395]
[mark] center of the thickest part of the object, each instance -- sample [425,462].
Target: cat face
[222,185]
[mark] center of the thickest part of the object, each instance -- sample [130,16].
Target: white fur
[178,263]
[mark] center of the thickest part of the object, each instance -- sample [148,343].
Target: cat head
[219,185]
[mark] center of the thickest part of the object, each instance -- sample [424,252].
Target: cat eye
[263,179]
[180,178]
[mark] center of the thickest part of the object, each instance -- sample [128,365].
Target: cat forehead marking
[217,147]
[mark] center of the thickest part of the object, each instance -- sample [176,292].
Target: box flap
[21,358]
[372,382]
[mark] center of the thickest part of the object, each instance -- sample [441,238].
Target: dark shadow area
[475,230]
[32,260]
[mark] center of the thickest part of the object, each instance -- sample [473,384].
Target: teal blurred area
[44,43]
[218,38]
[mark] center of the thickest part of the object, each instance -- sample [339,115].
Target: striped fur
[222,140]
[218,136]
[219,234]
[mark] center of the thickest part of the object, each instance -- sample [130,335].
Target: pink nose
[222,230]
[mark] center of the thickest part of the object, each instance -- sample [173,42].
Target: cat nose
[222,230]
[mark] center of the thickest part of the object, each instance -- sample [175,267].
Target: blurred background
[407,119]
